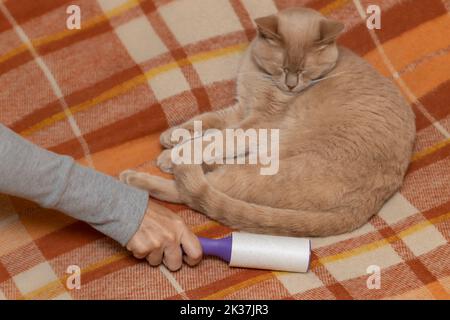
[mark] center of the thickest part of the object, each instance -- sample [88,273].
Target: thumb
[191,247]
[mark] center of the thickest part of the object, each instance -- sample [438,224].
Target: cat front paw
[164,161]
[166,139]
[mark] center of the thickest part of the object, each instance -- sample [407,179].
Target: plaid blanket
[102,94]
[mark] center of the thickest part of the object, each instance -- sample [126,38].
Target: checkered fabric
[103,94]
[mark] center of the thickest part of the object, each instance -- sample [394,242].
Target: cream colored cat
[346,136]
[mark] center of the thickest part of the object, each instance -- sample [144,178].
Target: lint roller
[247,250]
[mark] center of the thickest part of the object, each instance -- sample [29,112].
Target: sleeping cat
[346,136]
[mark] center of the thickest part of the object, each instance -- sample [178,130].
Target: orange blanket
[102,94]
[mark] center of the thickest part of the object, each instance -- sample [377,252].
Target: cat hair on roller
[247,250]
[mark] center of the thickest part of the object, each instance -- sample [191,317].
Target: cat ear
[330,30]
[268,27]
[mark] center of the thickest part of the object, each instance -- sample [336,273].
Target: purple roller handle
[220,248]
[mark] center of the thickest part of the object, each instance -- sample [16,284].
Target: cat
[346,136]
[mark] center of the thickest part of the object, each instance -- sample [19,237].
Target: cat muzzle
[291,80]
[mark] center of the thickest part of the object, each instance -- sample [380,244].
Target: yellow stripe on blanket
[55,286]
[66,33]
[426,39]
[333,6]
[377,244]
[241,285]
[248,282]
[111,14]
[132,83]
[421,154]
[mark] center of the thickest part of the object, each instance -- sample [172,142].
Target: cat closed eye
[271,40]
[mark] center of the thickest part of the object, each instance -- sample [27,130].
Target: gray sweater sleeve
[57,182]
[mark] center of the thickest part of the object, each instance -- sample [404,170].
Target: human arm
[121,212]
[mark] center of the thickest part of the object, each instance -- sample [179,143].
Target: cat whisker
[261,77]
[254,72]
[325,78]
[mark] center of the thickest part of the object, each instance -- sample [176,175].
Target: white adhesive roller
[247,250]
[270,252]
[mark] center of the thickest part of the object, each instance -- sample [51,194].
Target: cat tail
[198,194]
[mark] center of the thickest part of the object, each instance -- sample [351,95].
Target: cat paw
[126,176]
[164,161]
[166,139]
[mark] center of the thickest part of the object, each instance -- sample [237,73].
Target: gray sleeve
[57,182]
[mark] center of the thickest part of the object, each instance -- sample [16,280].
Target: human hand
[162,237]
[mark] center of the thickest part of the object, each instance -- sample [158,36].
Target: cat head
[295,47]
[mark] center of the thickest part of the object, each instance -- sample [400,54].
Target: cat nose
[291,80]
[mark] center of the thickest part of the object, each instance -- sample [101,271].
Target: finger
[173,257]
[192,248]
[138,249]
[141,247]
[155,257]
